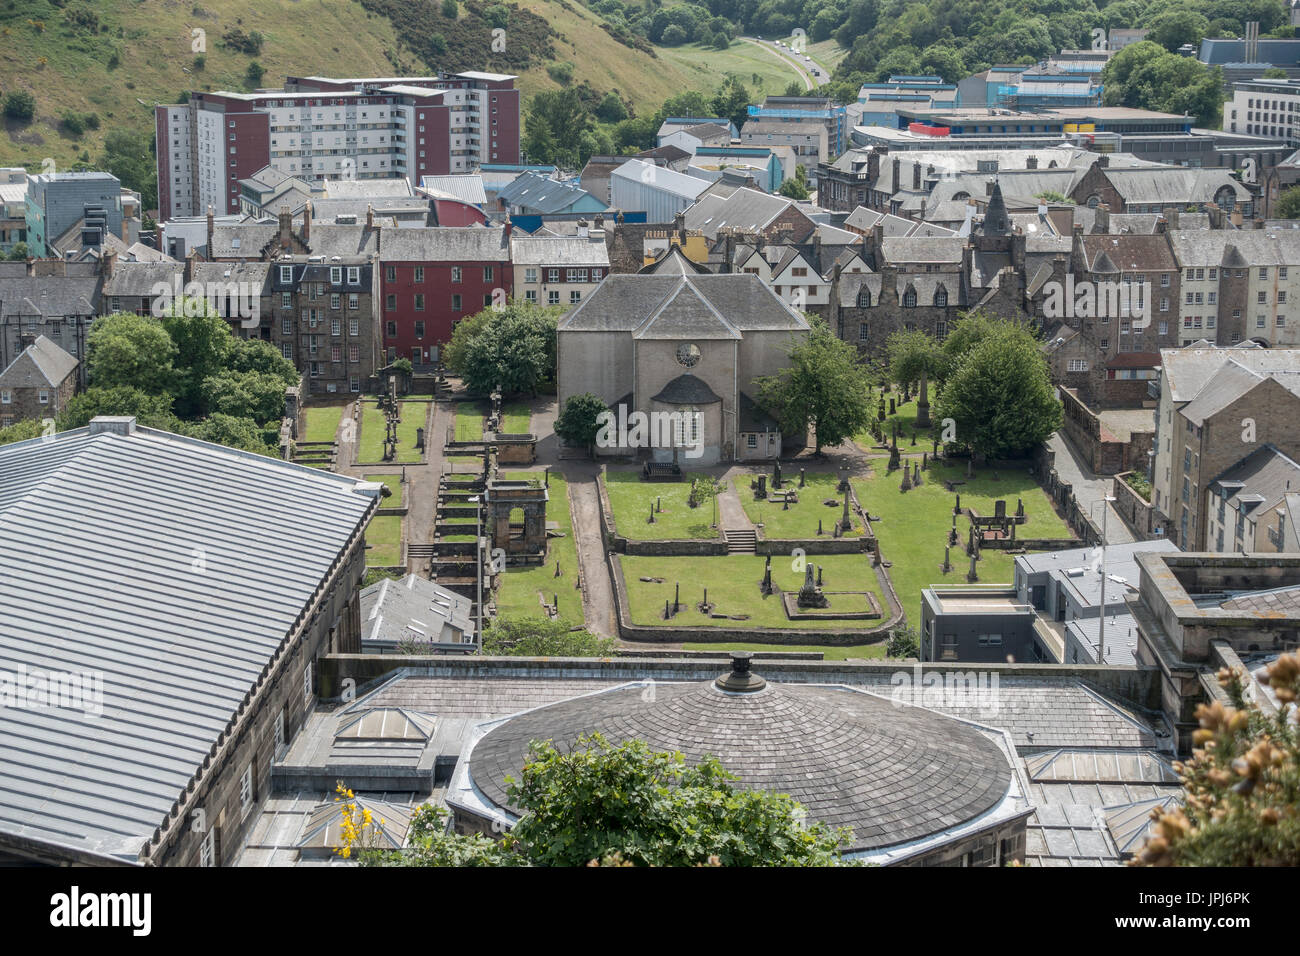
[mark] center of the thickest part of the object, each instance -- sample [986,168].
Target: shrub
[20,105]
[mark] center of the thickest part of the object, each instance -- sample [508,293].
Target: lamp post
[1101,623]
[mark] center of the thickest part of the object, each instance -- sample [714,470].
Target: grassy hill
[118,58]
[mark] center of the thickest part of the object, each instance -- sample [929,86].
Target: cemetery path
[1088,488]
[598,595]
[730,511]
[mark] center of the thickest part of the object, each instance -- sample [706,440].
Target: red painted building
[431,278]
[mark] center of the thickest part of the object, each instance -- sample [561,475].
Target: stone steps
[741,542]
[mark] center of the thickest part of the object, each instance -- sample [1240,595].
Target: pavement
[1089,489]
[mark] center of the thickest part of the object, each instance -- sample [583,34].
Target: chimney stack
[286,227]
[370,216]
[306,222]
[210,229]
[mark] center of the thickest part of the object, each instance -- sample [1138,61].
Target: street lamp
[1101,625]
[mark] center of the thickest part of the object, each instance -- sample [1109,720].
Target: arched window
[1094,201]
[909,299]
[864,298]
[941,297]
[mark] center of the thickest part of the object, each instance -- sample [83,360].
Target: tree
[18,252]
[129,157]
[233,432]
[204,345]
[450,9]
[732,101]
[578,422]
[152,411]
[1147,76]
[543,637]
[1000,395]
[1274,73]
[903,642]
[253,75]
[612,109]
[1177,26]
[24,430]
[20,105]
[627,805]
[253,395]
[512,348]
[915,356]
[796,188]
[1288,204]
[130,350]
[824,387]
[256,355]
[1242,783]
[674,35]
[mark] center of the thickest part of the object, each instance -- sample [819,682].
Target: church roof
[693,304]
[686,389]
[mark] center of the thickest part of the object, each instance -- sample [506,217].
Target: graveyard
[807,505]
[658,511]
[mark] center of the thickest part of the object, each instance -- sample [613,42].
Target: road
[811,74]
[1088,489]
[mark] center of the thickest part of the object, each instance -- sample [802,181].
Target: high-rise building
[318,128]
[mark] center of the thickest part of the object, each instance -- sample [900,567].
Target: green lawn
[520,586]
[371,447]
[631,498]
[905,415]
[469,421]
[384,541]
[394,485]
[800,521]
[828,652]
[733,583]
[516,418]
[915,526]
[321,422]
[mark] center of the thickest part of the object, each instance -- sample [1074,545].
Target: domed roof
[892,773]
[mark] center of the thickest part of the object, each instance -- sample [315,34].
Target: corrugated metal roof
[169,568]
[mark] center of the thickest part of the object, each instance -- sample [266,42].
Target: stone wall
[1138,513]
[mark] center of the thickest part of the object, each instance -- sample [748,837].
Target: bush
[674,35]
[255,73]
[20,105]
[561,73]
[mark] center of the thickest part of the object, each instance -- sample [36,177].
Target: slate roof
[745,209]
[99,535]
[39,365]
[1253,247]
[139,278]
[531,191]
[413,609]
[245,240]
[1188,371]
[466,188]
[892,773]
[1130,252]
[1265,477]
[445,244]
[52,296]
[557,251]
[624,303]
[1171,185]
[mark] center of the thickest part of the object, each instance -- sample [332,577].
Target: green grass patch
[371,447]
[469,421]
[800,520]
[516,418]
[828,652]
[631,498]
[384,541]
[321,422]
[394,484]
[915,526]
[733,583]
[519,587]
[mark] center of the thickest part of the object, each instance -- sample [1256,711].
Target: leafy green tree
[903,642]
[824,387]
[233,432]
[1000,395]
[1177,26]
[1242,783]
[967,332]
[513,348]
[254,395]
[628,805]
[204,345]
[797,186]
[913,357]
[1288,204]
[1274,73]
[24,430]
[450,9]
[256,355]
[526,636]
[732,101]
[129,156]
[18,252]
[612,109]
[150,410]
[577,422]
[1147,76]
[130,350]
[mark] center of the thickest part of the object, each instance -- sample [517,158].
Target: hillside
[118,58]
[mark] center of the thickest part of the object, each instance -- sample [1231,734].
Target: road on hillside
[811,74]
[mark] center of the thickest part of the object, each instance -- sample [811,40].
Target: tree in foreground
[825,387]
[130,350]
[578,422]
[915,356]
[525,636]
[1242,783]
[1000,395]
[512,348]
[624,804]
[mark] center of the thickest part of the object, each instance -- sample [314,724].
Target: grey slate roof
[745,209]
[99,535]
[39,365]
[53,296]
[557,251]
[413,609]
[531,191]
[445,244]
[1266,473]
[466,188]
[624,303]
[686,389]
[245,240]
[892,773]
[139,278]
